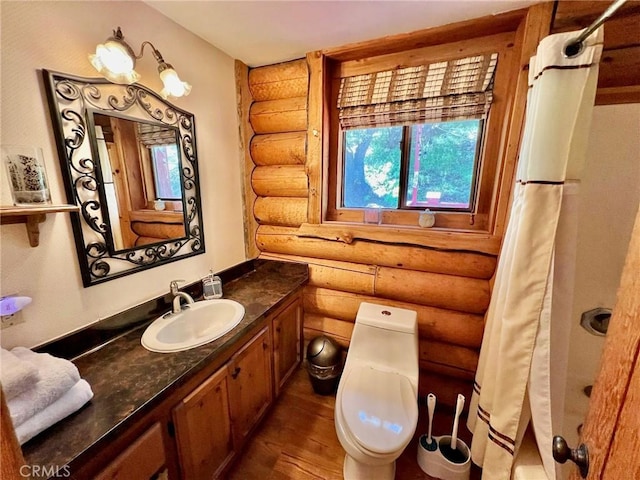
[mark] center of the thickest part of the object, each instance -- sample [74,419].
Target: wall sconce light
[116,61]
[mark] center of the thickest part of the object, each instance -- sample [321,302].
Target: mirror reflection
[129,161]
[140,164]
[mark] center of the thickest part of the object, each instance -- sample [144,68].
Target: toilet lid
[380,409]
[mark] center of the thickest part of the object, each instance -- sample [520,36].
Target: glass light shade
[114,62]
[173,86]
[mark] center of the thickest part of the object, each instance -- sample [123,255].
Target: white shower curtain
[514,378]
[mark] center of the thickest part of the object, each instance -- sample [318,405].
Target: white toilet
[376,411]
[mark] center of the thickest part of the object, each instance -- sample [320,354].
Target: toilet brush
[451,451]
[431,406]
[454,434]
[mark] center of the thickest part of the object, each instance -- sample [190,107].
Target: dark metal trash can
[324,364]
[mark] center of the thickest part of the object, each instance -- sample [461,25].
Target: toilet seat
[379,409]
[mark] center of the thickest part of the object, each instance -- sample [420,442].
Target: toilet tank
[389,318]
[386,338]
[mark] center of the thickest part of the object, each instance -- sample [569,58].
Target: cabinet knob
[579,456]
[235,373]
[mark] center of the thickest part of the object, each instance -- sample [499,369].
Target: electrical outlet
[7,321]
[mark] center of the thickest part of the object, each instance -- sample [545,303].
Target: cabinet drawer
[143,459]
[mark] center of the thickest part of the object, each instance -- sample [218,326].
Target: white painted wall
[58,36]
[610,197]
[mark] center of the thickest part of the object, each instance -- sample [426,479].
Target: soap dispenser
[211,286]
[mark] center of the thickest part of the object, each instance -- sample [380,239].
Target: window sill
[438,238]
[451,221]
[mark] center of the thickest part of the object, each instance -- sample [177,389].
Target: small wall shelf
[31,217]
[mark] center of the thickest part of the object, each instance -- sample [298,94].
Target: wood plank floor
[297,440]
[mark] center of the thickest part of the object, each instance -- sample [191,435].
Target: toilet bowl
[376,409]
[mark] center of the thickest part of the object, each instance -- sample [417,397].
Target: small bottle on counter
[212,286]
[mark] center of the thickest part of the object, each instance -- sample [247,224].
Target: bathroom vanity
[183,415]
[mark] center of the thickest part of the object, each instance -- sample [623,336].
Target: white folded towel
[71,401]
[16,375]
[57,376]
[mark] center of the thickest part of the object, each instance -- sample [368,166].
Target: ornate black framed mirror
[129,161]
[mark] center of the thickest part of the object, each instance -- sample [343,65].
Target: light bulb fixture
[116,61]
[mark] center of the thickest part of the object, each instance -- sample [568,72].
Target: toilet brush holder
[439,460]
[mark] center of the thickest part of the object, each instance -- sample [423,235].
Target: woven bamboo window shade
[150,135]
[453,90]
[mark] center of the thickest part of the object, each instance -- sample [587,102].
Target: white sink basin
[199,323]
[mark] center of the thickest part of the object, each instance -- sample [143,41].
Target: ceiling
[266,32]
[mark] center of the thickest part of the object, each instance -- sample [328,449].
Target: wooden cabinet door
[287,343]
[250,387]
[141,461]
[612,426]
[203,429]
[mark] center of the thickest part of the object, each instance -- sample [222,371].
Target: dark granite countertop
[128,381]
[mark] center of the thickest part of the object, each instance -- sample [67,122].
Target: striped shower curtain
[514,378]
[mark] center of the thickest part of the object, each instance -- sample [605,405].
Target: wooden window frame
[528,25]
[494,128]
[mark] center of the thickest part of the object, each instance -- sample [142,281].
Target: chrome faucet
[177,295]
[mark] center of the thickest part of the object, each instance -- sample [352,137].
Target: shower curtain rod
[575,46]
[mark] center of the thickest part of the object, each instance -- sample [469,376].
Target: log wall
[444,276]
[448,288]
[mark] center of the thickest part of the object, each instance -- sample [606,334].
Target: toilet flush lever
[579,456]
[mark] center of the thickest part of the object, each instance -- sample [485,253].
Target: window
[426,165]
[161,161]
[409,132]
[166,171]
